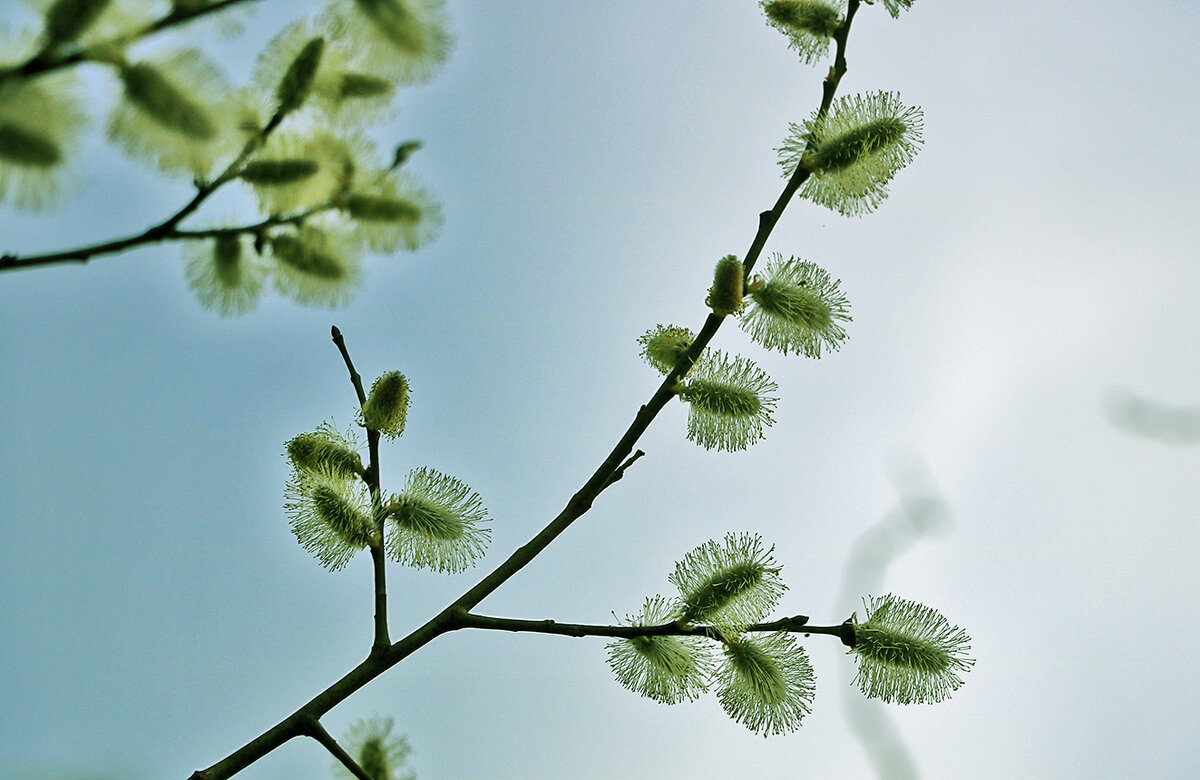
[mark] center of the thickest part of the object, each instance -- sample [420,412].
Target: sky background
[1036,261]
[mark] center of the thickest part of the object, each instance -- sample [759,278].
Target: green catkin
[296,83]
[310,451]
[437,522]
[719,590]
[908,653]
[266,173]
[27,148]
[721,398]
[666,654]
[66,20]
[294,253]
[759,670]
[396,22]
[373,208]
[728,585]
[363,85]
[227,259]
[795,304]
[148,89]
[373,759]
[663,346]
[814,18]
[842,151]
[427,519]
[386,408]
[725,296]
[766,683]
[351,525]
[895,648]
[667,669]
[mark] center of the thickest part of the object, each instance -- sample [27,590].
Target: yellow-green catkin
[437,522]
[808,24]
[766,683]
[725,295]
[664,345]
[151,91]
[312,451]
[310,260]
[908,653]
[729,584]
[39,123]
[386,409]
[66,20]
[297,82]
[26,147]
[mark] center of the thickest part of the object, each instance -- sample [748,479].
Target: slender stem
[768,219]
[797,624]
[318,732]
[452,617]
[371,477]
[47,60]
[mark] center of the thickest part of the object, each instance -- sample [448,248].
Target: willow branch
[167,230]
[318,732]
[371,477]
[797,624]
[49,60]
[451,618]
[768,219]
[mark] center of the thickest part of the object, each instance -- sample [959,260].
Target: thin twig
[318,732]
[371,477]
[620,472]
[355,379]
[768,219]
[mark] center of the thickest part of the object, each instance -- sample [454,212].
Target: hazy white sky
[594,161]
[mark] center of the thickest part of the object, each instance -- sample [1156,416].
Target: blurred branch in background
[920,513]
[1137,415]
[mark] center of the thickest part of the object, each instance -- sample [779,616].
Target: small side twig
[620,472]
[318,732]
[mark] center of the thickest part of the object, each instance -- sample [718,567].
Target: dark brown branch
[797,624]
[318,732]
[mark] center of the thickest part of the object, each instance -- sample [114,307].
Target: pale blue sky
[594,161]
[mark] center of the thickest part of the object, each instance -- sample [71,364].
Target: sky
[1025,318]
